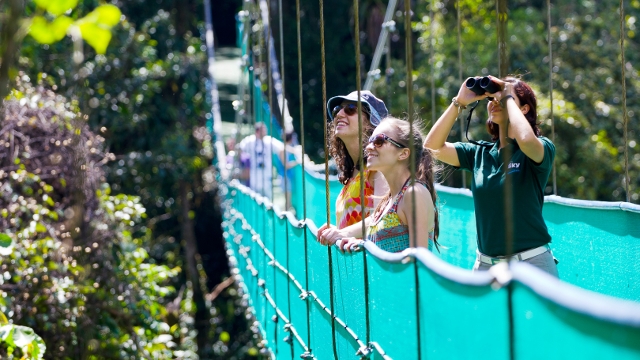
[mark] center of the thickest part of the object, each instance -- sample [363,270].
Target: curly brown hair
[338,150]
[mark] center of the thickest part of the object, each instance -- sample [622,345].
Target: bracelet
[455,102]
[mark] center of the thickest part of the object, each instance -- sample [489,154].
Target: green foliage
[587,90]
[21,337]
[90,290]
[94,28]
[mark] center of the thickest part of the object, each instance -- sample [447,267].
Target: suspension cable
[262,47]
[464,173]
[432,51]
[304,187]
[502,16]
[273,213]
[553,125]
[363,204]
[326,177]
[625,116]
[412,154]
[286,196]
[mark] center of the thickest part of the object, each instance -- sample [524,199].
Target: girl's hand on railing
[349,245]
[328,234]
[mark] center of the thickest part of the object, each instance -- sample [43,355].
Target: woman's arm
[425,215]
[436,140]
[526,138]
[524,135]
[329,234]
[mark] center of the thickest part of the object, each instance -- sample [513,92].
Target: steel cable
[326,174]
[304,187]
[553,125]
[625,115]
[412,154]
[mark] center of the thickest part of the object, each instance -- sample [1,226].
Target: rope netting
[417,304]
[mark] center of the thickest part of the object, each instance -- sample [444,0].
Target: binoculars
[481,85]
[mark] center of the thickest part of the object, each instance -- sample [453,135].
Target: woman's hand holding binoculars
[478,88]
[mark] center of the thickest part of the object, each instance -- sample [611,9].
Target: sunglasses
[349,109]
[378,141]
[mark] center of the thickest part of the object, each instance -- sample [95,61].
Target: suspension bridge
[312,302]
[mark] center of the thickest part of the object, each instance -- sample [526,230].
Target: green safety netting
[417,304]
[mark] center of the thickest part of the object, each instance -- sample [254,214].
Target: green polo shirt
[490,169]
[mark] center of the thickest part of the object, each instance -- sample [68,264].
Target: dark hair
[525,96]
[424,162]
[338,150]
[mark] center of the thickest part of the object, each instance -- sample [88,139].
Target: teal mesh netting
[456,313]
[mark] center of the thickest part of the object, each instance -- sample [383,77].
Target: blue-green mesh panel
[468,318]
[545,330]
[453,319]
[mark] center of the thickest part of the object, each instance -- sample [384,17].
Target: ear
[525,108]
[404,154]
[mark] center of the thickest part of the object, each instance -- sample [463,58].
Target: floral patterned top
[387,230]
[348,206]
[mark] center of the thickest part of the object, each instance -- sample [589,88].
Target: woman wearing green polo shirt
[520,157]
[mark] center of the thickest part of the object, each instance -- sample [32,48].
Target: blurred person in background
[258,149]
[285,168]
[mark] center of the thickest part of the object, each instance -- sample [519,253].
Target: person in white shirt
[260,148]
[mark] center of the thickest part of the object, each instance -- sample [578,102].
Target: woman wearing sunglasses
[514,129]
[391,226]
[346,148]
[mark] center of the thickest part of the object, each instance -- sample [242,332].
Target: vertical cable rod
[625,115]
[432,62]
[304,187]
[273,213]
[412,157]
[284,121]
[363,203]
[553,124]
[458,28]
[326,177]
[502,17]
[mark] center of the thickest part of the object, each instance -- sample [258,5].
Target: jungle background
[110,222]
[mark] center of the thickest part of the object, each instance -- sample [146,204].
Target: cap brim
[374,117]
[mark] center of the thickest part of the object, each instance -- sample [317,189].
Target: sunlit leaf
[3,319]
[6,334]
[25,338]
[6,244]
[96,26]
[46,32]
[57,7]
[40,228]
[108,15]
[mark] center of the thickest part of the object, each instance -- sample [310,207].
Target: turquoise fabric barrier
[597,243]
[417,304]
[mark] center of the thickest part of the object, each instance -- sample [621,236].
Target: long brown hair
[425,163]
[525,96]
[338,150]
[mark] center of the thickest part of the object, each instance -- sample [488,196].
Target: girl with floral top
[346,149]
[391,226]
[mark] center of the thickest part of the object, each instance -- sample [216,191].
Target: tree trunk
[190,245]
[10,40]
